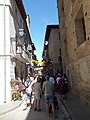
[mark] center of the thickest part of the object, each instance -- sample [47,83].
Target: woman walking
[37,94]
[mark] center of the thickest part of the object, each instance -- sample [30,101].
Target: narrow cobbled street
[30,114]
[35,115]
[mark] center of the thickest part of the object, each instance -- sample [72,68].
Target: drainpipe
[4,52]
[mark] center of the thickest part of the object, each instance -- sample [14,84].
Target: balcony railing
[19,50]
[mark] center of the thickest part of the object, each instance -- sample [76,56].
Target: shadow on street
[42,115]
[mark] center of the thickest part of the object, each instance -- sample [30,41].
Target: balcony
[18,50]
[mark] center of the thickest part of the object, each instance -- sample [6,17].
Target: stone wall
[77,59]
[80,76]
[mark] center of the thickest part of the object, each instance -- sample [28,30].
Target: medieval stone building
[51,51]
[74,23]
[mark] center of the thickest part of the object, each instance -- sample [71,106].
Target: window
[62,6]
[80,27]
[59,57]
[60,52]
[65,47]
[20,22]
[59,35]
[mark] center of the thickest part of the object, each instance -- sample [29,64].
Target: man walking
[48,89]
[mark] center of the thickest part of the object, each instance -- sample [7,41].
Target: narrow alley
[45,50]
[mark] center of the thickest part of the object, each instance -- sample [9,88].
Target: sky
[42,13]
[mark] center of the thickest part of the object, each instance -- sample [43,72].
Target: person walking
[48,89]
[57,79]
[62,87]
[51,79]
[66,82]
[37,94]
[28,93]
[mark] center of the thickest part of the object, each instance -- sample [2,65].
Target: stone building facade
[16,49]
[51,52]
[74,17]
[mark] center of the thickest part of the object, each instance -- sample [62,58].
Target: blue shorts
[49,99]
[28,95]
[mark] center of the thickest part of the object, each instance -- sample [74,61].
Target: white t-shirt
[51,79]
[57,79]
[37,90]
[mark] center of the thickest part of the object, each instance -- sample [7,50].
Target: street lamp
[21,32]
[29,48]
[46,42]
[19,44]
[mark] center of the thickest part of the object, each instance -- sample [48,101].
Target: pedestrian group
[49,86]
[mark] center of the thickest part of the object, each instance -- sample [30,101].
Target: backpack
[27,84]
[62,85]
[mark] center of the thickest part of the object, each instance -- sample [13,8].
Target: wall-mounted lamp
[21,32]
[29,47]
[46,42]
[19,43]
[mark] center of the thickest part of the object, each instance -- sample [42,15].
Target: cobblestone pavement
[30,114]
[35,115]
[70,109]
